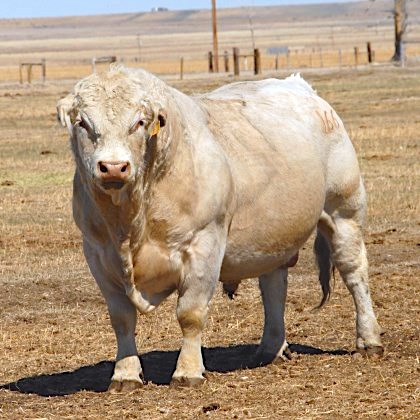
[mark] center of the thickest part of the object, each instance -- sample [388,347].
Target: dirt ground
[56,342]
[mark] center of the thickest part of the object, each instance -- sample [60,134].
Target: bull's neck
[125,218]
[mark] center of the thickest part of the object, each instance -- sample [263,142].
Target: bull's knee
[192,321]
[190,368]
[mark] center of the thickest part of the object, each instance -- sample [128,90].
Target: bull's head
[112,120]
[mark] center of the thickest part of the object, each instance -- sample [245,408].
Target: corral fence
[29,66]
[107,59]
[236,57]
[232,61]
[287,58]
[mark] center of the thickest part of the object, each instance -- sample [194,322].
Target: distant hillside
[193,20]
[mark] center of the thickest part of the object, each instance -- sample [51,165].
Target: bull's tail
[323,258]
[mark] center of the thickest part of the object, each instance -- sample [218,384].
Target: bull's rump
[275,148]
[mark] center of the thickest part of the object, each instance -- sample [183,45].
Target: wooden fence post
[356,56]
[104,59]
[276,65]
[236,67]
[340,59]
[257,61]
[29,66]
[181,68]
[211,68]
[321,61]
[288,60]
[369,52]
[44,70]
[29,70]
[226,60]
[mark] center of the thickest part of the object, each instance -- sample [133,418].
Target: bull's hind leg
[273,344]
[342,229]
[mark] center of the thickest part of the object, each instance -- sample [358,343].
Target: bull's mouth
[112,185]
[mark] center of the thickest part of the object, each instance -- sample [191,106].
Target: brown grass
[54,320]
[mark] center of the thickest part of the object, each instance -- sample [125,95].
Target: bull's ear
[162,117]
[65,110]
[159,121]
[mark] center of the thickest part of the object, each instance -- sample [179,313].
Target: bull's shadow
[158,367]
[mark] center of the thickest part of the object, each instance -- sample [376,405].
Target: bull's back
[277,152]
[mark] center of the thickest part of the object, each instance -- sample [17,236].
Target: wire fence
[289,61]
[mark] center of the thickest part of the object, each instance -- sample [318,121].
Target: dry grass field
[56,342]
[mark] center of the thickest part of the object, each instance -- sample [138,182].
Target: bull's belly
[265,243]
[241,263]
[237,268]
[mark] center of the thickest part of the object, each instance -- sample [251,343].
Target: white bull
[173,193]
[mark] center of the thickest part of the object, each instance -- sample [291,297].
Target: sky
[44,8]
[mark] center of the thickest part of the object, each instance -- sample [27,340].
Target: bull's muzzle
[113,175]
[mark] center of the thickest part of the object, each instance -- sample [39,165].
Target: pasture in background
[288,37]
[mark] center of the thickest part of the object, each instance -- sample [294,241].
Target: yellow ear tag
[156,129]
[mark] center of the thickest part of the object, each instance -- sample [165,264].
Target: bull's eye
[90,132]
[136,126]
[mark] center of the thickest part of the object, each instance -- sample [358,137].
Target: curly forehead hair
[118,85]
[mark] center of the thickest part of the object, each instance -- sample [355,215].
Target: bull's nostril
[124,168]
[103,168]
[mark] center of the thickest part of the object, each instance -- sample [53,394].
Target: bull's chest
[156,268]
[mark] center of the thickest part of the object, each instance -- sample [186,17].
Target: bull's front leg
[128,373]
[201,273]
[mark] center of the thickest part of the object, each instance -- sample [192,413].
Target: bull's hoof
[263,357]
[124,386]
[285,355]
[372,351]
[183,381]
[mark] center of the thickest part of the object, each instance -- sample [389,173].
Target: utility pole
[215,43]
[251,28]
[400,25]
[139,46]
